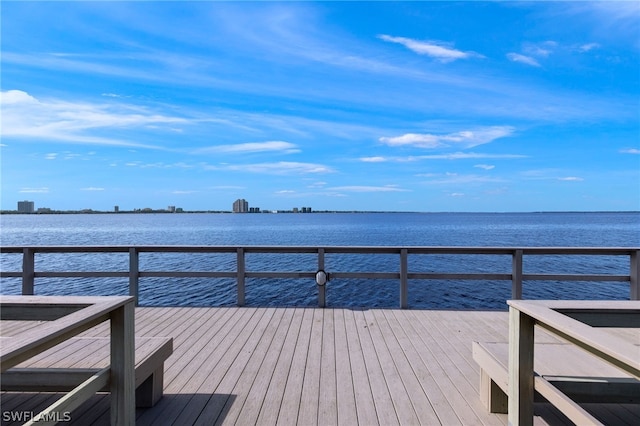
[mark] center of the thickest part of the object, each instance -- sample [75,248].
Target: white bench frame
[63,375]
[575,322]
[68,316]
[492,357]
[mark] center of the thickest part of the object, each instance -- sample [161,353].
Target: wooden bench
[66,365]
[577,374]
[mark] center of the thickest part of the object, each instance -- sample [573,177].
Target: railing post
[634,276]
[28,271]
[240,275]
[404,282]
[516,278]
[322,289]
[521,385]
[134,274]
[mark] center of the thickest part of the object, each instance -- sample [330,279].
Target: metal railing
[240,274]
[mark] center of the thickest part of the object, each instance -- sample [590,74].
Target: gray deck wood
[308,366]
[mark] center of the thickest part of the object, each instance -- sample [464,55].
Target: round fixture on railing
[321,277]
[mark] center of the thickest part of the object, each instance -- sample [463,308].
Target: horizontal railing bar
[185,274]
[604,251]
[373,275]
[590,251]
[80,274]
[429,250]
[67,249]
[368,275]
[458,276]
[4,274]
[280,274]
[575,277]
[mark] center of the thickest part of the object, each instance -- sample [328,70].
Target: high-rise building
[26,207]
[240,206]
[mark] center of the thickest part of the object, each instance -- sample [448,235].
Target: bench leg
[150,391]
[493,398]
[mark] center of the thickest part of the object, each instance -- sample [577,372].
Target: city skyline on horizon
[295,209]
[420,106]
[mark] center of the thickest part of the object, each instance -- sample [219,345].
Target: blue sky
[416,106]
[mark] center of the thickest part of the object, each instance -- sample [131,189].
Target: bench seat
[577,374]
[65,366]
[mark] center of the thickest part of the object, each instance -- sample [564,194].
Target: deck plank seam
[363,395]
[400,395]
[267,363]
[436,327]
[226,380]
[212,324]
[410,353]
[381,394]
[285,359]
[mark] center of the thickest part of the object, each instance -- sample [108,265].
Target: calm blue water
[348,229]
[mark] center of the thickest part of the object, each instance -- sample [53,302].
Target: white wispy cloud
[91,188]
[451,156]
[373,159]
[588,47]
[25,116]
[541,50]
[527,60]
[358,188]
[277,168]
[457,179]
[112,95]
[471,155]
[160,165]
[245,148]
[630,151]
[12,97]
[51,156]
[485,166]
[228,187]
[533,52]
[550,174]
[443,52]
[462,139]
[571,179]
[42,190]
[468,155]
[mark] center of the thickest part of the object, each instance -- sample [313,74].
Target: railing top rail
[327,249]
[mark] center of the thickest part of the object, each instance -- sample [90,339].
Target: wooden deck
[309,366]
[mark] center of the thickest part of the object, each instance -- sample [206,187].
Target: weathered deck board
[290,406]
[363,396]
[275,391]
[450,338]
[381,395]
[309,366]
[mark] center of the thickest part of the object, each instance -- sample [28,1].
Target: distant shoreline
[150,211]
